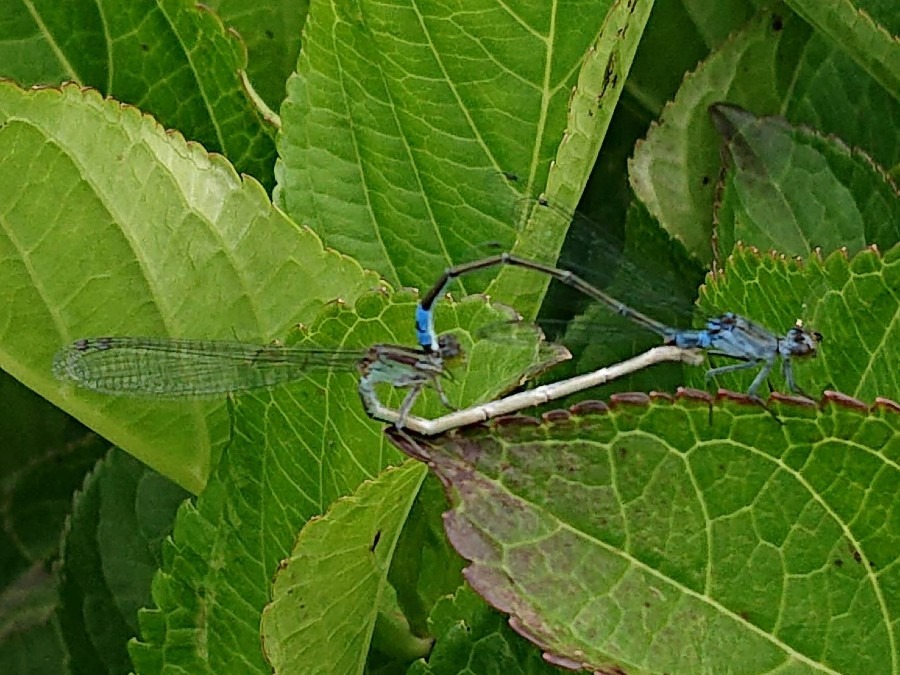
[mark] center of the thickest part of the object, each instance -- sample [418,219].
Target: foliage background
[396,123]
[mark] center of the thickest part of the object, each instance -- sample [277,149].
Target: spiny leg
[436,383]
[730,368]
[787,370]
[407,404]
[754,386]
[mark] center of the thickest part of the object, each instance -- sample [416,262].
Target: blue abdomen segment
[425,328]
[690,339]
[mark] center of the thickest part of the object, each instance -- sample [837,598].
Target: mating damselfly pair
[169,368]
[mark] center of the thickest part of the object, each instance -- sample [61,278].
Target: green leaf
[775,65]
[111,551]
[45,455]
[792,189]
[679,35]
[471,637]
[38,497]
[44,459]
[655,538]
[866,29]
[39,47]
[172,59]
[397,126]
[130,231]
[296,449]
[30,642]
[425,567]
[338,569]
[395,153]
[271,31]
[592,102]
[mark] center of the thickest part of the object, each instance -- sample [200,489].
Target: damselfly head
[449,347]
[802,342]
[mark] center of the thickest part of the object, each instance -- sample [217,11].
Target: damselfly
[178,368]
[729,335]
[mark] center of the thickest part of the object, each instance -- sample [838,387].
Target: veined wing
[172,368]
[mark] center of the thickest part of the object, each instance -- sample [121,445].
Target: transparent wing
[603,331]
[140,366]
[635,262]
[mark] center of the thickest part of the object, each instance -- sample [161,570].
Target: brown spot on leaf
[516,421]
[589,408]
[630,398]
[844,400]
[555,416]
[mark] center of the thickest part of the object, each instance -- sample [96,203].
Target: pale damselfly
[186,368]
